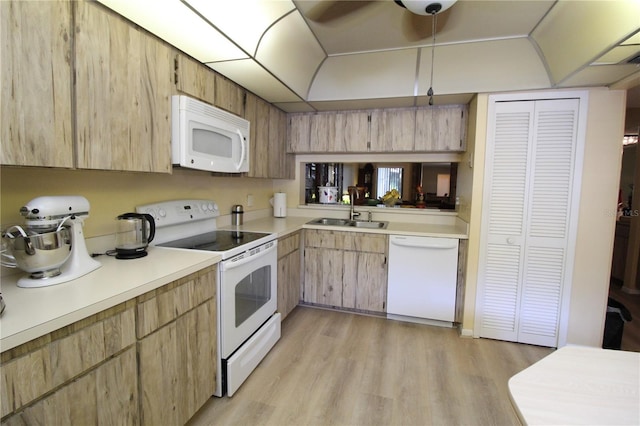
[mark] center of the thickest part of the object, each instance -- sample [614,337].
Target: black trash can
[617,315]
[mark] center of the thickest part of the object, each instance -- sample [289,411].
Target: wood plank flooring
[335,368]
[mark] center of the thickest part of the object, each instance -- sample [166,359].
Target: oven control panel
[176,212]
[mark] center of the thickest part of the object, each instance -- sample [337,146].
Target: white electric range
[248,324]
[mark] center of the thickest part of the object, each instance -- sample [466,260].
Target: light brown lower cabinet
[289,262]
[150,360]
[345,270]
[176,329]
[84,373]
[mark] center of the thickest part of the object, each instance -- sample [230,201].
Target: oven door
[248,296]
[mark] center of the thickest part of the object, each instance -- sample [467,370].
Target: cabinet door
[229,96]
[124,82]
[194,79]
[257,112]
[323,132]
[280,162]
[177,367]
[288,273]
[393,130]
[323,276]
[35,52]
[365,281]
[288,283]
[441,128]
[299,133]
[106,395]
[352,132]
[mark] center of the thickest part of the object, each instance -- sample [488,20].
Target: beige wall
[601,172]
[112,193]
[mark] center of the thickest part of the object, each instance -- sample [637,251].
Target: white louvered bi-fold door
[525,225]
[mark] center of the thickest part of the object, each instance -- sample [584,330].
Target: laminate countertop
[283,226]
[34,312]
[579,385]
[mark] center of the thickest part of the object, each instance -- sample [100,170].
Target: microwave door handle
[243,151]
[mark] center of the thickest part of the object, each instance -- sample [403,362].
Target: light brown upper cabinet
[344,131]
[423,129]
[441,128]
[268,156]
[229,96]
[124,83]
[393,130]
[36,52]
[280,163]
[194,79]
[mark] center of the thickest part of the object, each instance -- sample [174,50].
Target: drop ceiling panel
[568,43]
[482,67]
[243,21]
[178,25]
[250,75]
[388,74]
[619,54]
[291,52]
[600,75]
[383,25]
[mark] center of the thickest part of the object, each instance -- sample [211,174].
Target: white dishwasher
[422,278]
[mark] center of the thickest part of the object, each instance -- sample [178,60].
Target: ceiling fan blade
[419,27]
[330,10]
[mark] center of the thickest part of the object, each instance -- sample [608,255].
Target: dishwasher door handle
[431,243]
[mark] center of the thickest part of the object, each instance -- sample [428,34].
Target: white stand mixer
[48,214]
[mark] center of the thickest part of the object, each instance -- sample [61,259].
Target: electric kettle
[135,232]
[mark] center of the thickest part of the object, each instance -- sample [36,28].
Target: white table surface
[579,385]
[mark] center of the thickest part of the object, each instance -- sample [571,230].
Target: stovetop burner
[220,240]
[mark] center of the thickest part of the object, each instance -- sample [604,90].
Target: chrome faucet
[352,197]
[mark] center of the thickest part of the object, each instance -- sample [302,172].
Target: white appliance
[49,215]
[248,324]
[204,137]
[422,279]
[279,203]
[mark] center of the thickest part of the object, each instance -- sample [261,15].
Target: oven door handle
[230,264]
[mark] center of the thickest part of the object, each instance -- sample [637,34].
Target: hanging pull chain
[434,17]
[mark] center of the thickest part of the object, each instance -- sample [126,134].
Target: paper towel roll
[279,203]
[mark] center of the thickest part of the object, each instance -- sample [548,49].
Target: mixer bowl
[41,255]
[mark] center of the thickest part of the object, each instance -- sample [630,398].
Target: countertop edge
[120,296]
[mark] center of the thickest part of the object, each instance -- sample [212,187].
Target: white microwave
[204,137]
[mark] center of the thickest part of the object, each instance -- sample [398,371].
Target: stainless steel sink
[369,225]
[328,221]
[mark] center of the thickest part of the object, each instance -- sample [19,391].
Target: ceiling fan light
[426,7]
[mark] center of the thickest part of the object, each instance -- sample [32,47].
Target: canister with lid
[237,213]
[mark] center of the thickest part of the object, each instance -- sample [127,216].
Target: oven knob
[151,212]
[162,213]
[212,207]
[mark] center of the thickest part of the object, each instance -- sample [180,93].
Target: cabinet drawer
[356,241]
[35,368]
[288,244]
[163,305]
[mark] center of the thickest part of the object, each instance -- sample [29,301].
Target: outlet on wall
[249,200]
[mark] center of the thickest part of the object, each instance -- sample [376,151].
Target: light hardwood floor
[335,368]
